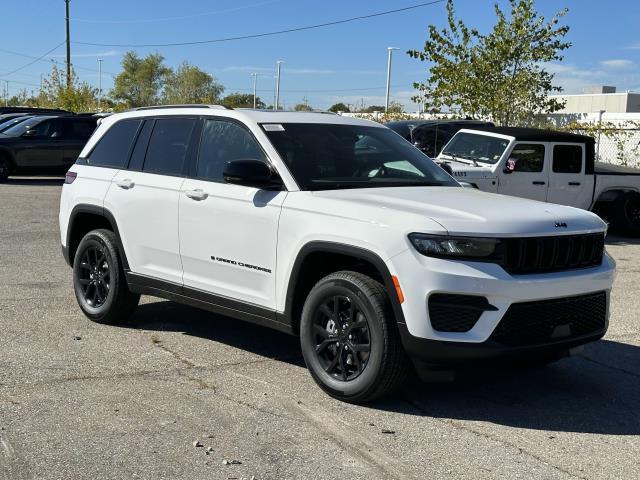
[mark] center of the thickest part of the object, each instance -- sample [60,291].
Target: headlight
[454,247]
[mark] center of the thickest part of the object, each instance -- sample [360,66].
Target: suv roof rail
[186,105]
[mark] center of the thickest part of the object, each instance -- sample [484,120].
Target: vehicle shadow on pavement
[35,182]
[169,316]
[595,392]
[616,239]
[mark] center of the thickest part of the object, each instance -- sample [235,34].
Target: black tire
[335,351]
[99,281]
[5,169]
[626,214]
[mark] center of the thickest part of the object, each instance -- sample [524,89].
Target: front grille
[531,323]
[456,313]
[551,254]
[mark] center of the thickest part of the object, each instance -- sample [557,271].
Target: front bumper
[421,276]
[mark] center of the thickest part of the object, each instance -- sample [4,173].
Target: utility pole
[255,85]
[66,4]
[6,93]
[278,64]
[390,53]
[99,83]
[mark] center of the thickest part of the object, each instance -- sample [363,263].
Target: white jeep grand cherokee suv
[331,228]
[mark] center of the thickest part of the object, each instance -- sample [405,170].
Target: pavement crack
[460,426]
[602,364]
[185,361]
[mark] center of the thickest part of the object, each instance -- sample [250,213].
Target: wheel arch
[8,154]
[87,217]
[317,259]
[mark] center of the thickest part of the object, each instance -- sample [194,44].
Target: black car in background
[34,110]
[44,144]
[431,135]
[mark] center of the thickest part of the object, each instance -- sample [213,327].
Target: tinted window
[567,158]
[168,145]
[78,129]
[113,148]
[528,157]
[322,156]
[223,141]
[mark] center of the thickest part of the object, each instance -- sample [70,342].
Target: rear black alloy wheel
[5,169]
[99,280]
[626,213]
[94,276]
[349,339]
[341,335]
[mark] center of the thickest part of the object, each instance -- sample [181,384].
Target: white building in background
[595,99]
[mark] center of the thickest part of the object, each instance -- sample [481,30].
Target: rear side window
[567,158]
[114,147]
[168,145]
[79,129]
[224,141]
[528,157]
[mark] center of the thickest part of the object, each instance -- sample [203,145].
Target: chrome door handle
[126,184]
[538,183]
[196,194]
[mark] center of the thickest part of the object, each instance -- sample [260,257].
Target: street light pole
[390,53]
[255,84]
[278,64]
[99,83]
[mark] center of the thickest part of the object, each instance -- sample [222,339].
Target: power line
[266,34]
[183,17]
[57,62]
[36,59]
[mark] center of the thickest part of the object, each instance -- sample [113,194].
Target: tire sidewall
[5,169]
[368,378]
[95,239]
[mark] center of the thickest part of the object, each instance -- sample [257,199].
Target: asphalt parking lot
[85,401]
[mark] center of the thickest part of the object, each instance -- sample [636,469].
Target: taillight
[70,177]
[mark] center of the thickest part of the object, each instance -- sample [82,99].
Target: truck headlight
[470,248]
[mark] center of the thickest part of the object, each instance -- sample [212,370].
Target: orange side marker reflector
[396,284]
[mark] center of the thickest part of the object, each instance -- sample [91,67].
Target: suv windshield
[20,128]
[322,157]
[476,147]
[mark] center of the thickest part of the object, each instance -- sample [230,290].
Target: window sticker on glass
[273,127]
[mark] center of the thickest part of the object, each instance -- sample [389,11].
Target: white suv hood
[463,211]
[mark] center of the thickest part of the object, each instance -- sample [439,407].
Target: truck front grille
[551,254]
[539,322]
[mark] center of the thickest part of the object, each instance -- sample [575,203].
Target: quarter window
[113,148]
[528,157]
[168,146]
[567,158]
[223,141]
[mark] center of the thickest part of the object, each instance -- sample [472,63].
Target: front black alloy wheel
[349,339]
[341,335]
[99,281]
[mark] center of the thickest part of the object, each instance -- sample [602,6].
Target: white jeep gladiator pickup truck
[331,228]
[546,165]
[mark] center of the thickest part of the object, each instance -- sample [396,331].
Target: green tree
[338,107]
[189,84]
[372,108]
[302,107]
[241,100]
[77,96]
[499,75]
[141,81]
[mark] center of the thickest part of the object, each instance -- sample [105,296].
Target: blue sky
[339,63]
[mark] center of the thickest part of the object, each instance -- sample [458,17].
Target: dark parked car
[431,135]
[35,110]
[7,123]
[44,144]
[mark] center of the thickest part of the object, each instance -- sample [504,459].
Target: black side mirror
[30,134]
[446,167]
[252,173]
